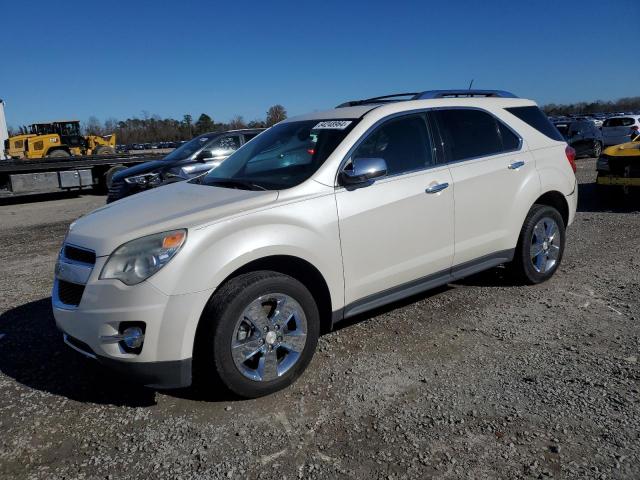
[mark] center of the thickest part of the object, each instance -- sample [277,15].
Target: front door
[393,231]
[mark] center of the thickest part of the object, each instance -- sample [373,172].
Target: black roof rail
[463,93]
[382,99]
[429,94]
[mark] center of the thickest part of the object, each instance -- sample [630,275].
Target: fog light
[133,337]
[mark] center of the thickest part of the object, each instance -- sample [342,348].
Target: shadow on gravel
[32,352]
[611,201]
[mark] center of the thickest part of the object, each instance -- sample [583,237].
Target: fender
[307,229]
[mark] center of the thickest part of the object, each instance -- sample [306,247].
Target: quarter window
[403,143]
[510,141]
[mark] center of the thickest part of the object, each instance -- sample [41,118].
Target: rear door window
[470,133]
[618,122]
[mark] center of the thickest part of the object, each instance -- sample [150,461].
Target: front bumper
[170,326]
[169,374]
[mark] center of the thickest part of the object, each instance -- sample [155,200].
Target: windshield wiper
[232,182]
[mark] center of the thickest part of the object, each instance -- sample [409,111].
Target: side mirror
[204,155]
[363,170]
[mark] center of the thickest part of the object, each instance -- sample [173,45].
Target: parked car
[619,168]
[191,159]
[231,276]
[582,135]
[620,129]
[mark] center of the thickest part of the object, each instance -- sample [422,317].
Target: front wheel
[540,245]
[259,333]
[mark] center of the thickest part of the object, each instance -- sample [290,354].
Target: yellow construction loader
[58,139]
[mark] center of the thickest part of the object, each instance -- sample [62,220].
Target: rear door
[490,169]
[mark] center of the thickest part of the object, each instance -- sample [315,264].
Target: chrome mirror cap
[361,170]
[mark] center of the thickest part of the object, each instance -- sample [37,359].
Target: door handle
[516,165]
[436,188]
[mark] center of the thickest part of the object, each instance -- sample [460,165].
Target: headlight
[135,261]
[152,179]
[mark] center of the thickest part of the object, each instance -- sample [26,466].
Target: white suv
[232,276]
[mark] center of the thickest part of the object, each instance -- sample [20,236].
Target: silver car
[622,129]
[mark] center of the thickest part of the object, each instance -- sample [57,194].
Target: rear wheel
[540,245]
[58,154]
[260,333]
[597,149]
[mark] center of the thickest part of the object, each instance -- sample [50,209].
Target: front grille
[79,254]
[70,293]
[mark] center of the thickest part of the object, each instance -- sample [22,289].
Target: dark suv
[193,158]
[582,135]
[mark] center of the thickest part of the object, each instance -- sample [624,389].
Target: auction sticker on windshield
[332,125]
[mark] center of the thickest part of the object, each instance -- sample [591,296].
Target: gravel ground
[480,379]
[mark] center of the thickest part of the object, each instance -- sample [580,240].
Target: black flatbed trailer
[24,177]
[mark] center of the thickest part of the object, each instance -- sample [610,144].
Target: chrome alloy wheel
[269,337]
[545,245]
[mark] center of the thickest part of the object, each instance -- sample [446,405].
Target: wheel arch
[556,200]
[300,269]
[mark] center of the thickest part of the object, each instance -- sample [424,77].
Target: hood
[141,168]
[629,149]
[179,205]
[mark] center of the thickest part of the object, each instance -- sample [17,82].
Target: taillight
[571,156]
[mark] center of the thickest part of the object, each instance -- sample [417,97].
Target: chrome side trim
[65,337]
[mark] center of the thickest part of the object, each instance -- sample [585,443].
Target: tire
[233,347]
[58,154]
[104,150]
[527,267]
[108,177]
[597,149]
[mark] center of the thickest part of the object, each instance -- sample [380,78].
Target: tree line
[152,128]
[627,104]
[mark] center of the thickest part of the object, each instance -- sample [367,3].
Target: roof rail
[463,93]
[382,99]
[429,94]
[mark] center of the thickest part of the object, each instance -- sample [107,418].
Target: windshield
[282,157]
[189,148]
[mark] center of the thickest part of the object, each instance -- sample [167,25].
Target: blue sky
[119,59]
